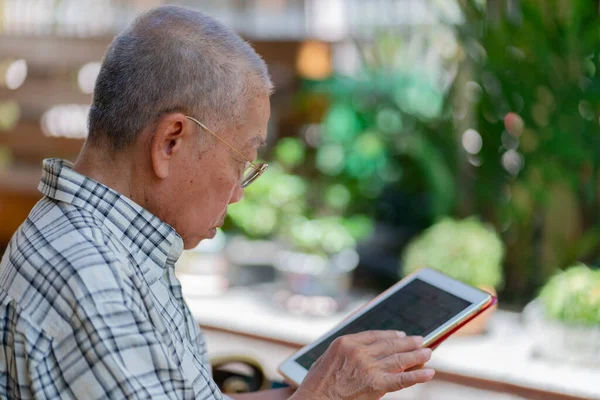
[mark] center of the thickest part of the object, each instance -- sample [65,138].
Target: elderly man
[89,303]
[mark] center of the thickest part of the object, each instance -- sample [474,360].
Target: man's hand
[366,366]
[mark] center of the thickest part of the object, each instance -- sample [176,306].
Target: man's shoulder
[58,261]
[52,220]
[62,234]
[61,249]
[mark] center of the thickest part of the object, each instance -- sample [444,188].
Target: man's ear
[166,142]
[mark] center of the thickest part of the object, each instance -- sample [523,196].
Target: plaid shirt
[90,307]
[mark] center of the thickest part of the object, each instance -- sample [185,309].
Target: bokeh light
[513,162]
[338,196]
[312,134]
[290,152]
[10,112]
[473,91]
[314,60]
[389,120]
[86,78]
[514,124]
[341,124]
[585,110]
[13,73]
[330,159]
[66,120]
[472,141]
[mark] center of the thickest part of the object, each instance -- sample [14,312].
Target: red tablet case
[493,302]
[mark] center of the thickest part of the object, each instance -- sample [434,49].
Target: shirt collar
[154,244]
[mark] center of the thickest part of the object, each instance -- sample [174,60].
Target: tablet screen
[417,309]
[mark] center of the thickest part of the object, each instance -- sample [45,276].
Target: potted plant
[466,250]
[565,317]
[315,266]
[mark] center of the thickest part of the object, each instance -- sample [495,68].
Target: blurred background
[457,134]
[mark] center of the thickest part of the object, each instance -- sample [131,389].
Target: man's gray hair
[173,59]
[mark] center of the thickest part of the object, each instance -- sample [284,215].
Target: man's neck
[115,173]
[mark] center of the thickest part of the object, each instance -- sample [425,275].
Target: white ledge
[504,354]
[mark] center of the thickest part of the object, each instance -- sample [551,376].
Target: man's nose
[238,194]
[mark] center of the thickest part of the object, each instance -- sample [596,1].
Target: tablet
[426,303]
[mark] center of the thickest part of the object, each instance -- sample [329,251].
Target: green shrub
[573,296]
[466,250]
[326,235]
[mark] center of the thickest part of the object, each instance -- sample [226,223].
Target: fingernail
[429,373]
[400,334]
[427,352]
[419,340]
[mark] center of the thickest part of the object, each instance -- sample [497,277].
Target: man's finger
[385,348]
[404,380]
[404,361]
[369,337]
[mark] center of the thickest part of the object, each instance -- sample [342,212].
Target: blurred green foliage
[573,296]
[528,93]
[274,200]
[381,133]
[325,235]
[511,138]
[466,250]
[534,97]
[306,216]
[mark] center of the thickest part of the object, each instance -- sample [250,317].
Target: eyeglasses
[252,172]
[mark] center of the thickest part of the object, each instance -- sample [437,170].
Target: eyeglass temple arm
[222,140]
